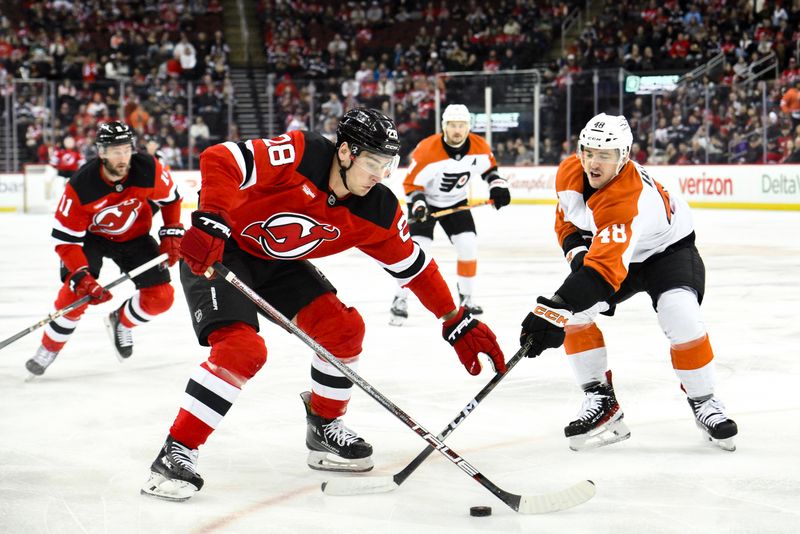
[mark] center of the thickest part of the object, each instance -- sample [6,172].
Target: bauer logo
[117,219]
[290,235]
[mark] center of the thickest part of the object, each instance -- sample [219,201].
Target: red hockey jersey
[276,196]
[118,211]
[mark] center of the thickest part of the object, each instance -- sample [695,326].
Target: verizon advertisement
[770,187]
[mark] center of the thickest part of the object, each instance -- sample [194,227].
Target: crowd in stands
[328,57]
[81,63]
[142,60]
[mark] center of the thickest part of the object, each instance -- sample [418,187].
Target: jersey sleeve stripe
[248,150]
[237,152]
[62,238]
[172,196]
[58,226]
[406,270]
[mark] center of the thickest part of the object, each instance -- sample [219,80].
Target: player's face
[367,170]
[456,132]
[117,159]
[600,165]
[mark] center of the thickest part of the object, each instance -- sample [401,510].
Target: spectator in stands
[790,103]
[199,134]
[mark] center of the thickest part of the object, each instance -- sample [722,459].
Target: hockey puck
[480,511]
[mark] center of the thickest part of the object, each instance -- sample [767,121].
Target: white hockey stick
[83,300]
[525,504]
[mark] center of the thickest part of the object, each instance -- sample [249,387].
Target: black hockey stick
[380,484]
[83,300]
[526,504]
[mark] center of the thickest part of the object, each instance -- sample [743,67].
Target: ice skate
[173,474]
[710,418]
[40,361]
[399,311]
[599,421]
[121,336]
[332,446]
[471,307]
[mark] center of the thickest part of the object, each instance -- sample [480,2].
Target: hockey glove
[204,242]
[82,283]
[575,258]
[417,207]
[469,337]
[544,326]
[171,237]
[498,193]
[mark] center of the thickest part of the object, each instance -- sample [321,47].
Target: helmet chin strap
[343,174]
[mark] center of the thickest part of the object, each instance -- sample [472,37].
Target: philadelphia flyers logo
[290,235]
[117,219]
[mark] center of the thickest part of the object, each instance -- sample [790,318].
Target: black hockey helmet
[370,130]
[115,133]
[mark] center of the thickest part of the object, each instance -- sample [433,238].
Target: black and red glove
[170,237]
[470,337]
[544,326]
[83,284]
[204,242]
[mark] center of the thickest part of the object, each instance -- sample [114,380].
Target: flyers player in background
[441,167]
[105,212]
[267,206]
[622,233]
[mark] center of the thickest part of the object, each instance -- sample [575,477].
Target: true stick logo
[216,225]
[438,445]
[461,326]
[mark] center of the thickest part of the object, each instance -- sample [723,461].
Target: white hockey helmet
[607,132]
[454,113]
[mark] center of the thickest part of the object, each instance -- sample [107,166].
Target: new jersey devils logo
[115,219]
[290,235]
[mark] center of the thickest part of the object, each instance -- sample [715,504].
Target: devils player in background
[266,207]
[622,234]
[105,212]
[441,168]
[66,160]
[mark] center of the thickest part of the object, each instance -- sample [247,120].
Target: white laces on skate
[124,335]
[44,357]
[336,431]
[184,456]
[591,405]
[710,412]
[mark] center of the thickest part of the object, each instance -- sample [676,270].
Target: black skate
[398,311]
[710,418]
[173,474]
[599,420]
[40,361]
[121,336]
[466,301]
[332,446]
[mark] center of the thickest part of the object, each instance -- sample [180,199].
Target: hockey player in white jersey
[622,234]
[441,167]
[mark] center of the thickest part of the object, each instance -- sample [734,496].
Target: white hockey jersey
[443,178]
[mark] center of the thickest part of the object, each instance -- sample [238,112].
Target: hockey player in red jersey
[105,212]
[622,234]
[267,206]
[442,166]
[66,160]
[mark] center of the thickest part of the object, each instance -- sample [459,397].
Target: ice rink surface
[76,444]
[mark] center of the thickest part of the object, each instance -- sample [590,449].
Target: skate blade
[396,320]
[610,433]
[168,489]
[726,444]
[31,377]
[327,461]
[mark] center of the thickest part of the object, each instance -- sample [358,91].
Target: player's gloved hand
[470,337]
[498,193]
[171,237]
[575,258]
[204,242]
[82,283]
[417,207]
[544,326]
